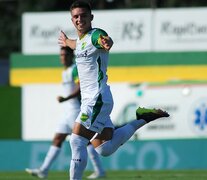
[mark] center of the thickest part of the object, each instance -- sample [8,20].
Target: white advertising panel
[180,29]
[40,31]
[40,111]
[187,106]
[130,30]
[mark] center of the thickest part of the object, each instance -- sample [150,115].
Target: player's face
[81,19]
[63,58]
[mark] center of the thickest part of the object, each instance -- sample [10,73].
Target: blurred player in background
[93,123]
[71,104]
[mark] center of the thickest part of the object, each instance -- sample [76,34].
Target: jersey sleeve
[96,37]
[75,75]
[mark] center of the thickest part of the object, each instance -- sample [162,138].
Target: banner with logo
[40,31]
[186,104]
[180,29]
[141,155]
[134,30]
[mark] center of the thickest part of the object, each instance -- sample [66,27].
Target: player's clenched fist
[64,41]
[106,42]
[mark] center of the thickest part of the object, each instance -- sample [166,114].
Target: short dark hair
[68,50]
[80,4]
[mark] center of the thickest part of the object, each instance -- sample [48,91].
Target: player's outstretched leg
[36,172]
[150,114]
[123,134]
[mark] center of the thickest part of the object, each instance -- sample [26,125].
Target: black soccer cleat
[150,114]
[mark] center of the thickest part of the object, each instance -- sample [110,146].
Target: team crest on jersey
[84,117]
[83,45]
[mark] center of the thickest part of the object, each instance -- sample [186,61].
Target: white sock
[120,136]
[95,159]
[50,157]
[79,156]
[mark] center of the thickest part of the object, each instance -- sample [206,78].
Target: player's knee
[91,150]
[78,142]
[104,149]
[58,140]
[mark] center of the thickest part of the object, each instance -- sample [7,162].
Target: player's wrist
[67,42]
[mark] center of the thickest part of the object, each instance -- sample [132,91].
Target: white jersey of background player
[71,105]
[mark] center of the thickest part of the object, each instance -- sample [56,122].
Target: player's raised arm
[64,41]
[106,42]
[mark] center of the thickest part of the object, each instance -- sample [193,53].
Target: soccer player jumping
[93,122]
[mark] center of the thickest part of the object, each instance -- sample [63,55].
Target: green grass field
[118,175]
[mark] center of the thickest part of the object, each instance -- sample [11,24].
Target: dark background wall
[4,72]
[11,12]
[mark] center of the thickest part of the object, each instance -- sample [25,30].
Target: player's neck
[81,34]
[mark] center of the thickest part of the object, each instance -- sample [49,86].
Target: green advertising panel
[10,113]
[134,155]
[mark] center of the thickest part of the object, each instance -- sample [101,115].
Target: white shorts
[65,125]
[97,117]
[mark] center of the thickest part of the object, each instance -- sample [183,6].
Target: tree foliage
[12,10]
